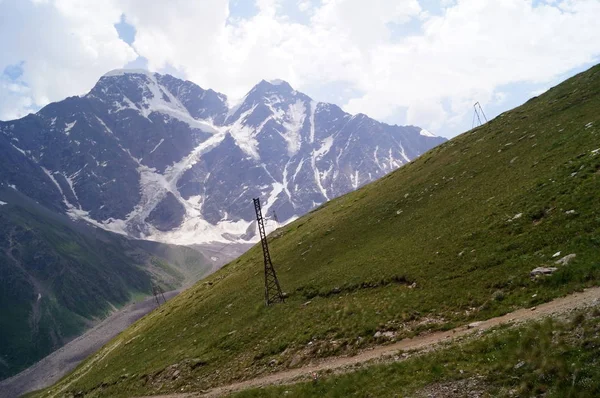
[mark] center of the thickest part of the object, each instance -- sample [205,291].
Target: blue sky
[421,62]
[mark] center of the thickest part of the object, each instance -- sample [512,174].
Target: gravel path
[589,297]
[50,369]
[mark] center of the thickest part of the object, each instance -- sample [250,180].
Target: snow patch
[116,226]
[317,175]
[196,230]
[354,179]
[105,126]
[403,153]
[426,133]
[20,150]
[159,99]
[376,158]
[277,189]
[244,135]
[296,115]
[128,104]
[69,126]
[286,183]
[313,110]
[72,185]
[155,187]
[157,145]
[393,162]
[298,169]
[49,174]
[326,145]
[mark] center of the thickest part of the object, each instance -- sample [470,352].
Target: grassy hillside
[447,239]
[57,277]
[551,358]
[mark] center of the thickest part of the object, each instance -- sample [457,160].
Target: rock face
[154,156]
[168,214]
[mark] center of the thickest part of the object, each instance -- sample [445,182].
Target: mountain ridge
[142,154]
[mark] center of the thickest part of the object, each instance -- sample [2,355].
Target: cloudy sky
[422,62]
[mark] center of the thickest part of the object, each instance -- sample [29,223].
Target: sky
[419,62]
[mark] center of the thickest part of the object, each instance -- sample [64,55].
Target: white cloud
[66,45]
[304,5]
[466,54]
[432,111]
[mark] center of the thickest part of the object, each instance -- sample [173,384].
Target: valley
[51,368]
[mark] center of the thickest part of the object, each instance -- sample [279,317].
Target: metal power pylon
[158,294]
[478,114]
[273,292]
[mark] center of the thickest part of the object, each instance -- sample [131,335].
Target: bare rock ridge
[156,157]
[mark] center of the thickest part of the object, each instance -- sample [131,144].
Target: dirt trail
[588,297]
[51,368]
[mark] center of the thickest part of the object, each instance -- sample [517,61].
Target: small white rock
[566,259]
[542,271]
[474,324]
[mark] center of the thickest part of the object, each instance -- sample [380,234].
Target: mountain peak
[276,85]
[122,72]
[278,82]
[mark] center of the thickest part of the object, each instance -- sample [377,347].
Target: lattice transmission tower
[273,293]
[158,294]
[478,115]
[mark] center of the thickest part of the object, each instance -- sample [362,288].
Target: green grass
[554,358]
[446,222]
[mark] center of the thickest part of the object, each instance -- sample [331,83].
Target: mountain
[58,277]
[446,240]
[152,156]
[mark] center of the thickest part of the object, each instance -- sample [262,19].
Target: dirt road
[589,297]
[50,369]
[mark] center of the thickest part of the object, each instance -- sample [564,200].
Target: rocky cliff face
[154,156]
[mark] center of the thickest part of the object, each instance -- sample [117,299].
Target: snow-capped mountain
[153,156]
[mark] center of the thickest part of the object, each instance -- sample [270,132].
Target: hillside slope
[58,277]
[447,239]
